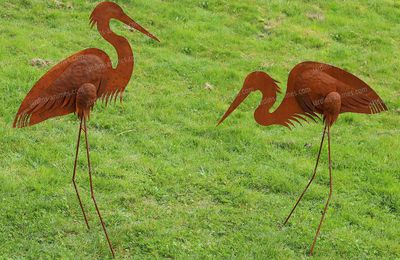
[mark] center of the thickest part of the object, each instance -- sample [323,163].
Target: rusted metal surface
[313,89]
[75,84]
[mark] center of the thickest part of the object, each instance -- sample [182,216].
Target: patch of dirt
[131,29]
[267,64]
[40,63]
[62,5]
[315,16]
[270,25]
[208,87]
[308,146]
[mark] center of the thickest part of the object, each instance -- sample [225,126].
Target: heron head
[105,11]
[257,80]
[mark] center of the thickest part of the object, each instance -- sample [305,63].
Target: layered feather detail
[55,93]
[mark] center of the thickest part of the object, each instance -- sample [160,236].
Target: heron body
[314,89]
[76,83]
[56,93]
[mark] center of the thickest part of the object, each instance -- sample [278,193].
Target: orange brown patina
[75,84]
[313,89]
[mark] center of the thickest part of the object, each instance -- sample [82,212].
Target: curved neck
[262,114]
[125,64]
[289,109]
[281,115]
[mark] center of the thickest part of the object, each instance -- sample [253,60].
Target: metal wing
[55,93]
[357,96]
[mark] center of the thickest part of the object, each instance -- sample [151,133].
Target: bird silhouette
[313,89]
[76,83]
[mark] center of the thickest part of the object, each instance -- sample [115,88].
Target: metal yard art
[313,89]
[75,84]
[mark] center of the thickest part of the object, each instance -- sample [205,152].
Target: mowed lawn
[170,183]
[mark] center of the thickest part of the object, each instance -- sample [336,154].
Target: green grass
[172,185]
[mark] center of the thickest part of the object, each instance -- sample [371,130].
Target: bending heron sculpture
[313,89]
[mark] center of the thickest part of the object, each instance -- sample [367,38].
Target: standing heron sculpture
[75,84]
[313,89]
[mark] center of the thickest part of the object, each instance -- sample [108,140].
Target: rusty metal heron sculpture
[313,88]
[75,84]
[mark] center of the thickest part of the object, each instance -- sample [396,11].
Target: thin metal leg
[91,189]
[312,178]
[330,191]
[74,175]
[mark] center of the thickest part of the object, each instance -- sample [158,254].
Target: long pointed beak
[128,21]
[243,94]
